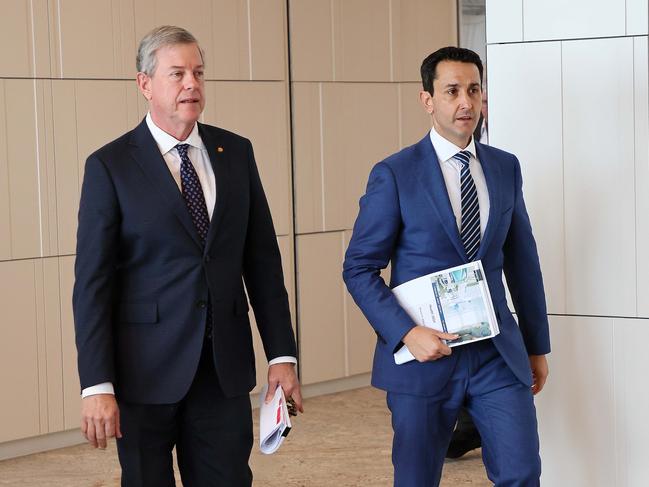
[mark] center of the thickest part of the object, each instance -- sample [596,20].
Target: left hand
[539,365]
[285,376]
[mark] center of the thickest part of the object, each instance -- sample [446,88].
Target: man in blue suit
[172,220]
[440,203]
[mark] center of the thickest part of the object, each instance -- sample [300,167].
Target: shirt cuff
[283,360]
[103,388]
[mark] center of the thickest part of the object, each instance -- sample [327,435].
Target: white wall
[568,95]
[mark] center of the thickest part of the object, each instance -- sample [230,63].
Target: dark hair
[450,53]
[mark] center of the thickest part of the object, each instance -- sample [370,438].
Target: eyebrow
[200,66]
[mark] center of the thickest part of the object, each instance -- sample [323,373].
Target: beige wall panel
[95,39]
[285,247]
[49,230]
[419,28]
[66,155]
[5,199]
[81,132]
[361,338]
[362,40]
[18,351]
[360,127]
[71,387]
[22,155]
[41,354]
[307,153]
[221,29]
[53,359]
[16,44]
[268,39]
[414,121]
[641,112]
[258,111]
[321,307]
[312,54]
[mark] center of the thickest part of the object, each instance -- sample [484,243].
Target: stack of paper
[274,421]
[455,300]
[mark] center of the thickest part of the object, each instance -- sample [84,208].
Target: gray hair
[165,35]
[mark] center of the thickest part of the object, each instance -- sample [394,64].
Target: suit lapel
[491,171]
[219,154]
[146,153]
[434,187]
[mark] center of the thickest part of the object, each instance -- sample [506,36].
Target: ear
[426,100]
[144,85]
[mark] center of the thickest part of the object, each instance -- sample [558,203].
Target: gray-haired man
[172,220]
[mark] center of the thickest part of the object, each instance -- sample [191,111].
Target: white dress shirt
[197,153]
[451,169]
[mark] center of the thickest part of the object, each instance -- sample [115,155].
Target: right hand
[100,419]
[426,344]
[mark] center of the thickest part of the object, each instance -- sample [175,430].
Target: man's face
[175,89]
[456,101]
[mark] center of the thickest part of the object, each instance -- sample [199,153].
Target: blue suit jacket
[406,219]
[143,277]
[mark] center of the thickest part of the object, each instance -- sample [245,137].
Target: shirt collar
[167,142]
[446,149]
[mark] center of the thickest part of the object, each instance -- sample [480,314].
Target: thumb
[447,336]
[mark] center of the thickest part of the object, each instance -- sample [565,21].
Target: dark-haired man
[443,202]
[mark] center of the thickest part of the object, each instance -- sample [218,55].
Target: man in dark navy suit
[172,221]
[446,201]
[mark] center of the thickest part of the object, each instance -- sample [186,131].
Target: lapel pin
[219,149]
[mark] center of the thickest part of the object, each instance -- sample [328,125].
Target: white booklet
[274,421]
[454,300]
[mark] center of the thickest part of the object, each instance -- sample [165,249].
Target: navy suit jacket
[406,219]
[143,277]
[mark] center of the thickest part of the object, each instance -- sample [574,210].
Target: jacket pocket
[138,312]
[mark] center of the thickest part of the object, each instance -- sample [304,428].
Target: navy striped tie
[470,224]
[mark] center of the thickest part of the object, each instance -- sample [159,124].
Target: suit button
[201,304]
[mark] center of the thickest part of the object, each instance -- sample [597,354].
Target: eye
[451,91]
[199,74]
[176,74]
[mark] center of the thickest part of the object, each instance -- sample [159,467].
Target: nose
[465,100]
[191,81]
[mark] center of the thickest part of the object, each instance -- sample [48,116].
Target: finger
[90,434]
[84,426]
[118,426]
[444,350]
[100,433]
[271,391]
[109,428]
[297,397]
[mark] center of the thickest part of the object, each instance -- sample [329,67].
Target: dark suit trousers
[501,406]
[212,435]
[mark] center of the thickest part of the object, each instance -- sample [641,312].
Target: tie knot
[182,150]
[463,157]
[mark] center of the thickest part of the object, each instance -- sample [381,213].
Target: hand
[100,419]
[539,366]
[285,376]
[426,344]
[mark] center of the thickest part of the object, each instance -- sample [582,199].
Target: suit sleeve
[523,273]
[371,247]
[93,300]
[263,275]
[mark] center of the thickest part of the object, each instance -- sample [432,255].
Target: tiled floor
[342,440]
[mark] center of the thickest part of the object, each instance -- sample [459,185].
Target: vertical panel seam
[6,151]
[563,188]
[333,41]
[31,12]
[345,315]
[38,170]
[391,36]
[249,39]
[58,7]
[322,164]
[635,172]
[399,115]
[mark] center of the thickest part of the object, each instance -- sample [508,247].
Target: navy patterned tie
[470,224]
[195,201]
[193,193]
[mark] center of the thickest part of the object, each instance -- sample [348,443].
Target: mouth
[465,118]
[189,100]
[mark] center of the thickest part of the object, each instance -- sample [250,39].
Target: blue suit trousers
[502,408]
